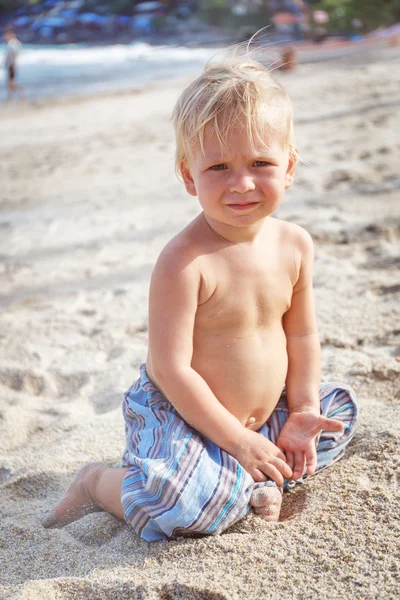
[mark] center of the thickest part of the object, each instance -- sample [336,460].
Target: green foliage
[215,12]
[371,13]
[121,7]
[7,6]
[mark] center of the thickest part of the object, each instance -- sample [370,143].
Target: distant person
[13,46]
[211,428]
[288,59]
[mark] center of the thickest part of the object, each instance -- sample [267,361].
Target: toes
[49,521]
[266,496]
[266,502]
[77,501]
[268,513]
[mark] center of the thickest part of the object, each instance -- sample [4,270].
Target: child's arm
[174,294]
[297,437]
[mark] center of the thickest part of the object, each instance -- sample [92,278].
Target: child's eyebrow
[217,160]
[215,156]
[220,158]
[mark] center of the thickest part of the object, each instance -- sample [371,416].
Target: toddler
[228,408]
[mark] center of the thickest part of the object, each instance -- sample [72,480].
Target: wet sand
[88,199]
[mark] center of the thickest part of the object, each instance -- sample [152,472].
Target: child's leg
[95,487]
[178,482]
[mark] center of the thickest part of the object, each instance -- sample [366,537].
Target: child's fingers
[258,475]
[281,455]
[273,449]
[267,471]
[330,424]
[276,469]
[282,467]
[311,458]
[273,473]
[290,459]
[299,464]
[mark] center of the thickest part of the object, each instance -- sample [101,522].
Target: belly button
[250,421]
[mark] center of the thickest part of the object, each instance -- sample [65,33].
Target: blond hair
[230,92]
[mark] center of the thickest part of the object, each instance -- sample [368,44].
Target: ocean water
[76,69]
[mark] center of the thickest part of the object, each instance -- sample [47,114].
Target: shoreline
[307,54]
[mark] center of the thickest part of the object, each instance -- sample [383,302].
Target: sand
[88,199]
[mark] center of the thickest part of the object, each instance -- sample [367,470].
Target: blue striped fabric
[182,483]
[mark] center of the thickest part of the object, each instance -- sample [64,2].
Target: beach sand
[88,200]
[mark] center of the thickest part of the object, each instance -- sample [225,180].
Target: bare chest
[245,292]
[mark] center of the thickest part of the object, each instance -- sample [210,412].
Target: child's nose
[241,183]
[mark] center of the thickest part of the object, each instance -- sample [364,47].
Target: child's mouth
[243,207]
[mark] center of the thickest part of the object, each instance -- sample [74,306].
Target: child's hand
[261,458]
[297,439]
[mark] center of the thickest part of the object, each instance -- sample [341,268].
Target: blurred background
[80,46]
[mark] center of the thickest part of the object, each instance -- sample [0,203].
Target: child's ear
[188,179]
[289,177]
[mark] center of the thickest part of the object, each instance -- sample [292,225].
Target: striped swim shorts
[179,482]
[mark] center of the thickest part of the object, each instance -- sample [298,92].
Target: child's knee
[339,401]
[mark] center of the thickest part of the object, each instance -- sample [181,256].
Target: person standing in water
[13,46]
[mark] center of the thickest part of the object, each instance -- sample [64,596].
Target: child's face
[238,187]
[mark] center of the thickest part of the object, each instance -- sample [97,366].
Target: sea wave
[73,69]
[116,54]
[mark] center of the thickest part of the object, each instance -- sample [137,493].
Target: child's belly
[246,373]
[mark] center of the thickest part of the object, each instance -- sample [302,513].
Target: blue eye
[219,167]
[261,163]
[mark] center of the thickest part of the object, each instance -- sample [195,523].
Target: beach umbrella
[22,21]
[91,18]
[148,7]
[142,22]
[53,22]
[123,20]
[68,14]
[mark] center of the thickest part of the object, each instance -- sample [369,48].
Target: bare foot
[266,502]
[77,501]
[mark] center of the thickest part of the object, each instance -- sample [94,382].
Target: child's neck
[235,235]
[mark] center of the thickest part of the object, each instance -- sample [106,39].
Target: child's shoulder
[293,234]
[181,251]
